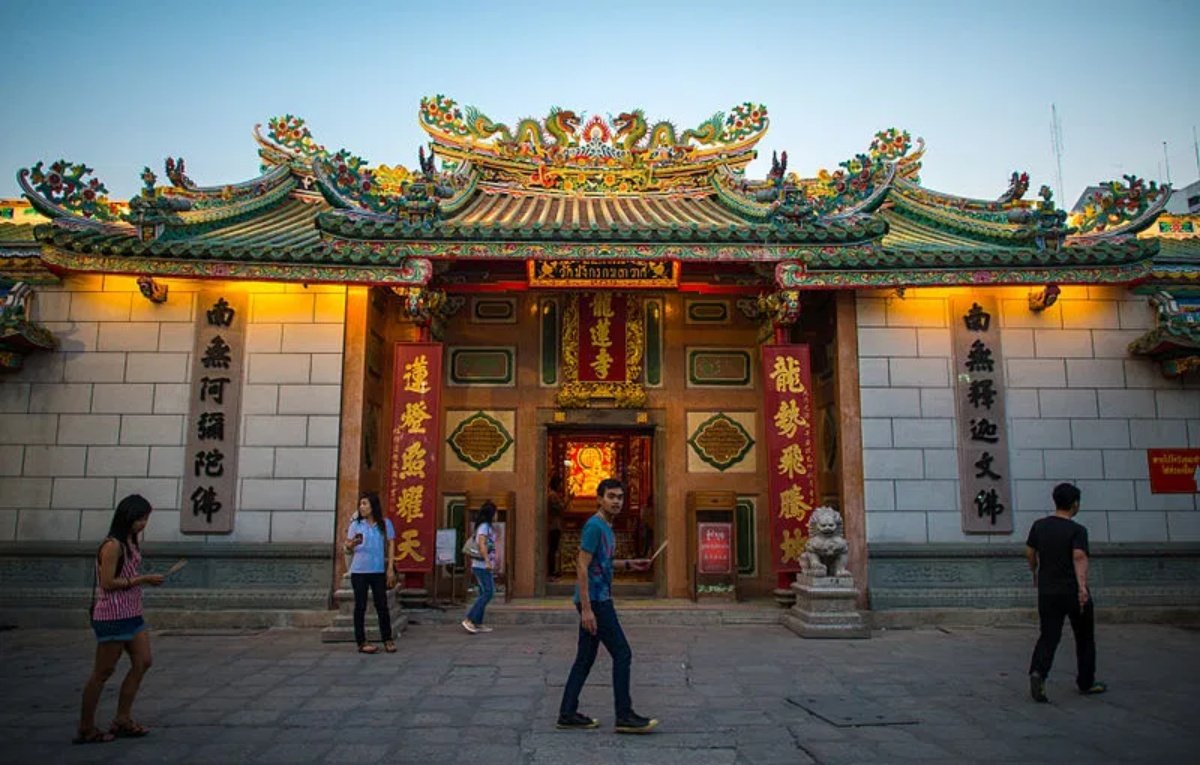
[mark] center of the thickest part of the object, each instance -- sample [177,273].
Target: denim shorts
[118,630]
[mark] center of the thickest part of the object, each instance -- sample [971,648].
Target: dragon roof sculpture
[568,152]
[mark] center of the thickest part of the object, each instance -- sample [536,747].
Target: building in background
[585,298]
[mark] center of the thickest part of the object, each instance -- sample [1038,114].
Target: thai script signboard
[623,274]
[978,381]
[1174,471]
[791,450]
[715,548]
[214,409]
[412,466]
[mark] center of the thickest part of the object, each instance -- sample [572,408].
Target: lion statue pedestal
[824,588]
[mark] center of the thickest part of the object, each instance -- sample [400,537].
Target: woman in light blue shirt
[369,539]
[482,568]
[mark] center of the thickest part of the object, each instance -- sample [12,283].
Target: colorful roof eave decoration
[406,272]
[387,217]
[19,337]
[1175,342]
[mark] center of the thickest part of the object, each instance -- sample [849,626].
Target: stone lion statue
[826,553]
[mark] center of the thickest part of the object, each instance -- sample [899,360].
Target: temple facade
[538,306]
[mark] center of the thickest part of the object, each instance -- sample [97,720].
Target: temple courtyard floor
[724,694]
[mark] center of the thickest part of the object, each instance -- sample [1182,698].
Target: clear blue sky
[122,84]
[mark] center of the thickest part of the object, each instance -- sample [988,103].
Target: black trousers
[378,585]
[552,553]
[1051,610]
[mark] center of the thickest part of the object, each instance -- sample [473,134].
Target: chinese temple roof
[568,186]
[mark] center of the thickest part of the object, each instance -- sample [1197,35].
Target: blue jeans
[608,632]
[487,588]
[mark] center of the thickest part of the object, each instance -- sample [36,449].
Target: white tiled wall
[1080,408]
[105,415]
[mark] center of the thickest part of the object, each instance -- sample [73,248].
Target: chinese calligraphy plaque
[214,410]
[791,450]
[985,496]
[412,476]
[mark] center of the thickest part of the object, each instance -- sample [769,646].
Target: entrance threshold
[559,611]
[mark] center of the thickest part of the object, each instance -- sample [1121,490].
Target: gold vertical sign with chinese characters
[210,461]
[983,476]
[413,469]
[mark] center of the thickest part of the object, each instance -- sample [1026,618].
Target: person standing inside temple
[117,619]
[556,505]
[598,621]
[483,568]
[369,539]
[1057,551]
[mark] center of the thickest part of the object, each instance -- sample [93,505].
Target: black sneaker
[635,723]
[1093,689]
[1037,687]
[576,722]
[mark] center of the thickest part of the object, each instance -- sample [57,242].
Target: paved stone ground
[721,693]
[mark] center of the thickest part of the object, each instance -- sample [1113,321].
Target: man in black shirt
[1057,550]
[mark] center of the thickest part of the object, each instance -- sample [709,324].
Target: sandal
[128,729]
[367,648]
[390,646]
[93,736]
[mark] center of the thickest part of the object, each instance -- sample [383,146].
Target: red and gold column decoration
[412,469]
[791,451]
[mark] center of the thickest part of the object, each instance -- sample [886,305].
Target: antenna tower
[1056,144]
[1167,162]
[1196,147]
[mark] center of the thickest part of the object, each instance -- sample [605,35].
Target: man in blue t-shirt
[598,618]
[1057,550]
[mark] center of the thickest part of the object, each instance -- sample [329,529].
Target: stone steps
[342,628]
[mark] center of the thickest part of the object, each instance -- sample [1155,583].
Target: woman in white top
[369,539]
[482,568]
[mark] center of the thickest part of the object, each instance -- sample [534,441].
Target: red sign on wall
[412,467]
[602,319]
[791,451]
[1174,471]
[715,555]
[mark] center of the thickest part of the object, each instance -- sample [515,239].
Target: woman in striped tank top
[117,621]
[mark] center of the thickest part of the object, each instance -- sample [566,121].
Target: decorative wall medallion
[493,310]
[481,366]
[718,367]
[480,440]
[721,441]
[706,311]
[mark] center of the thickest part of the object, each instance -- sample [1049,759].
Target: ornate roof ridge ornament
[64,190]
[1120,209]
[620,154]
[392,194]
[151,212]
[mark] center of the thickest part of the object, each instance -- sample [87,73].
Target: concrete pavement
[725,695]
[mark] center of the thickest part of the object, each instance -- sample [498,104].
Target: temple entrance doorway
[577,459]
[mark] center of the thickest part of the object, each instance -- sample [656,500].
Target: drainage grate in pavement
[851,711]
